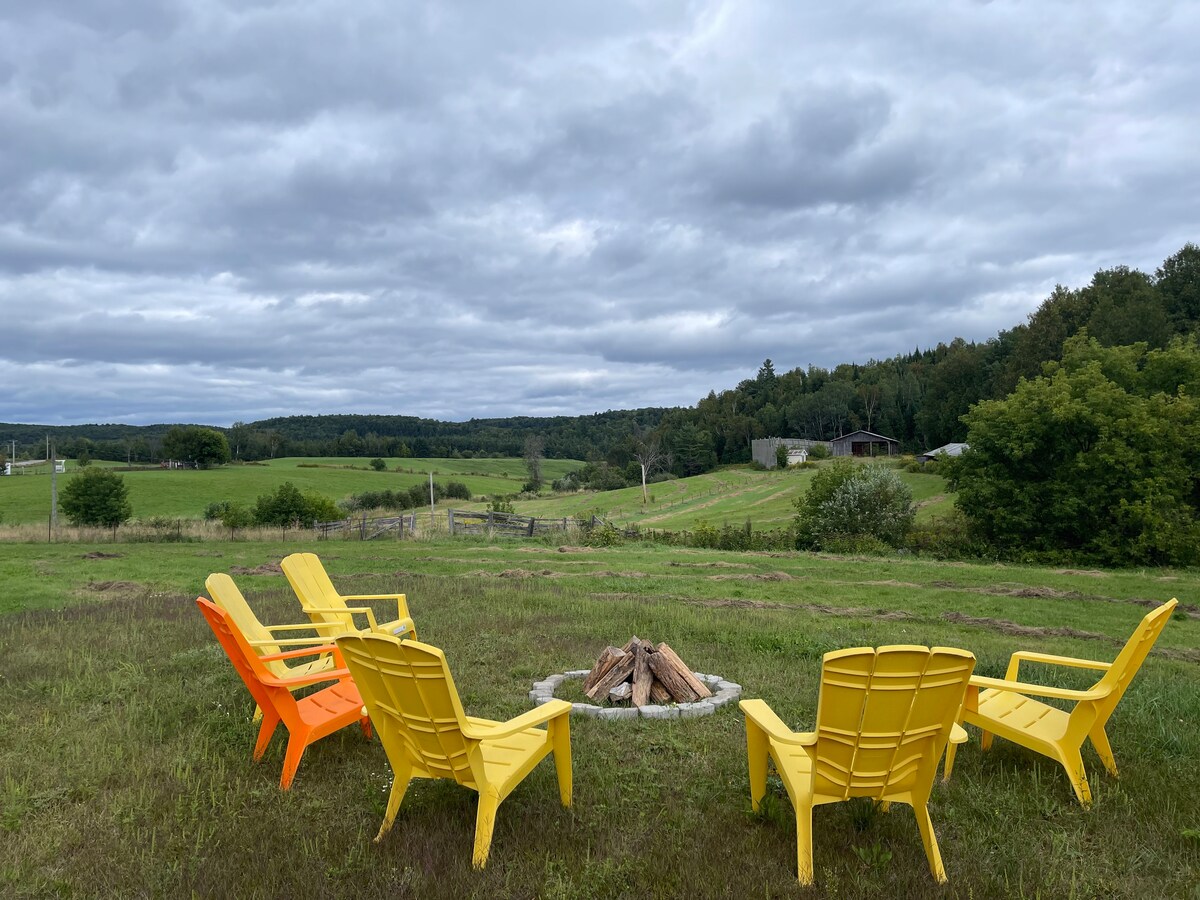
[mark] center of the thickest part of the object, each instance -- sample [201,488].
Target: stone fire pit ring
[723,692]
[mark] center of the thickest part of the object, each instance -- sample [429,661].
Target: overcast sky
[213,211]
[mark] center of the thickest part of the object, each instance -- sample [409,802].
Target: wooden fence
[366,528]
[464,522]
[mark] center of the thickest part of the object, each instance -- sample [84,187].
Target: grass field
[125,736]
[185,493]
[728,496]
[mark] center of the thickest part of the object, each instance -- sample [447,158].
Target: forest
[919,398]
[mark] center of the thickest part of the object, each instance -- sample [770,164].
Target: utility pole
[53,493]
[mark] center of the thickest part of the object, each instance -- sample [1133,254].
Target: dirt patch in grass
[567,548]
[762,576]
[891,582]
[936,498]
[123,586]
[710,565]
[1091,573]
[515,573]
[1005,627]
[606,573]
[263,569]
[96,554]
[823,609]
[1032,591]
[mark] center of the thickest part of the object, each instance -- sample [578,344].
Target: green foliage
[287,505]
[235,516]
[1097,460]
[378,464]
[847,500]
[500,505]
[781,456]
[83,458]
[96,497]
[456,490]
[190,443]
[818,452]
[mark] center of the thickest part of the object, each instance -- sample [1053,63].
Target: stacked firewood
[641,673]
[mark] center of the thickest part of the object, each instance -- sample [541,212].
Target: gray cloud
[213,211]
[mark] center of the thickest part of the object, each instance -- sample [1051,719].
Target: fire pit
[641,679]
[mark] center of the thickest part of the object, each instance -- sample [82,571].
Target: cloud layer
[212,211]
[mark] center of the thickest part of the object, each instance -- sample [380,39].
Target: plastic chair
[415,707]
[327,608]
[1006,706]
[307,720]
[883,719]
[224,592]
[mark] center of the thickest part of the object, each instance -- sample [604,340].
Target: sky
[223,210]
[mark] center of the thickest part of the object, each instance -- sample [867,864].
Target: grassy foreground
[125,736]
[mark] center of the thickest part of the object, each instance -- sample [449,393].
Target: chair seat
[1002,711]
[333,702]
[511,757]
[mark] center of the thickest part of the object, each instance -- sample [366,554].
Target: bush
[781,457]
[288,506]
[457,490]
[850,500]
[235,516]
[96,497]
[819,451]
[216,509]
[378,464]
[947,537]
[500,505]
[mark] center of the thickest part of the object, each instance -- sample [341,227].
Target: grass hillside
[184,493]
[125,735]
[730,495]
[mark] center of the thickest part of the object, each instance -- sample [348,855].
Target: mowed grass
[184,493]
[125,735]
[729,496]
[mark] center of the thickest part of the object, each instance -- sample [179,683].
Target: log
[698,687]
[618,673]
[633,641]
[609,658]
[658,693]
[664,670]
[643,678]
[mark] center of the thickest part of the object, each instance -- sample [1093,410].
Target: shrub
[216,509]
[500,505]
[378,464]
[819,451]
[781,456]
[288,506]
[96,497]
[457,490]
[235,516]
[849,499]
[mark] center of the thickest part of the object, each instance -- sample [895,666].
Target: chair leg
[400,781]
[951,750]
[257,713]
[560,740]
[485,823]
[291,759]
[756,753]
[985,740]
[932,853]
[365,724]
[1100,742]
[270,719]
[1072,761]
[804,863]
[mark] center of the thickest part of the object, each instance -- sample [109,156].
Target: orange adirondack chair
[883,719]
[1005,706]
[426,734]
[307,720]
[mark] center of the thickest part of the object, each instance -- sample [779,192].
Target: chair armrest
[1016,659]
[958,734]
[398,628]
[1037,690]
[536,716]
[304,680]
[291,642]
[325,611]
[295,654]
[764,717]
[299,626]
[401,601]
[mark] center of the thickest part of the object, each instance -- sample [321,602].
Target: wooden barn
[865,443]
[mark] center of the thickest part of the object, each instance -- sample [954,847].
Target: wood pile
[640,673]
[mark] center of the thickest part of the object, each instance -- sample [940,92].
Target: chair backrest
[414,706]
[1131,657]
[223,592]
[884,716]
[242,655]
[311,583]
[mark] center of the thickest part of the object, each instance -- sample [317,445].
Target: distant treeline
[916,398]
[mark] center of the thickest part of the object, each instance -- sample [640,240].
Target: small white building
[944,450]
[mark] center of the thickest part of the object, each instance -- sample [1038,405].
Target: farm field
[730,496]
[125,737]
[184,493]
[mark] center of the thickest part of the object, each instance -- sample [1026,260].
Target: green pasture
[125,735]
[729,496]
[184,493]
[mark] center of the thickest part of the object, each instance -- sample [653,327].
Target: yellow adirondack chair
[1006,706]
[223,592]
[327,608]
[883,719]
[415,709]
